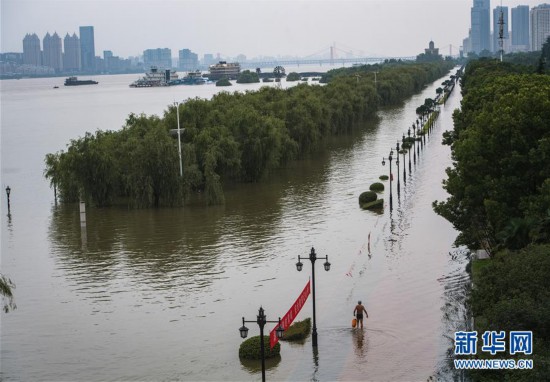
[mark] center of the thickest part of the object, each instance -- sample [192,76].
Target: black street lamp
[261,321]
[312,257]
[404,152]
[414,142]
[409,141]
[397,163]
[419,133]
[391,176]
[8,192]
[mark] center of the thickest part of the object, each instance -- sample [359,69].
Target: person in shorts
[358,313]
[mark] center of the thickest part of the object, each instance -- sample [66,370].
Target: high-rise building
[520,28]
[160,57]
[540,26]
[188,60]
[71,56]
[208,59]
[53,52]
[481,28]
[32,55]
[496,27]
[87,48]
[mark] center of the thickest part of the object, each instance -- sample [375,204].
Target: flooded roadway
[159,294]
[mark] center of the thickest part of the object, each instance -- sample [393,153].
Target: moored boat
[155,77]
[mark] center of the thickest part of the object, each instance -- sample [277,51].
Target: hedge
[367,197]
[250,349]
[298,331]
[377,187]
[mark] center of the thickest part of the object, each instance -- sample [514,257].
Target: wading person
[358,313]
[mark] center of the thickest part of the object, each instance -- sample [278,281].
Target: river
[159,294]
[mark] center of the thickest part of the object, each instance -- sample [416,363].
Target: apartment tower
[520,28]
[71,57]
[87,48]
[540,26]
[480,38]
[32,55]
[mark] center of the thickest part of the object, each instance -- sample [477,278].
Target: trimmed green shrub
[401,152]
[367,197]
[383,177]
[377,187]
[376,205]
[250,349]
[298,330]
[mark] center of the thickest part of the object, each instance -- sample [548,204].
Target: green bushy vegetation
[374,205]
[377,187]
[239,137]
[248,77]
[293,76]
[223,82]
[298,330]
[251,348]
[367,197]
[499,200]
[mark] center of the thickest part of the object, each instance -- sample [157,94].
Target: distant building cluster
[529,28]
[76,54]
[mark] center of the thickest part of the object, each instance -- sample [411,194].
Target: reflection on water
[158,294]
[254,366]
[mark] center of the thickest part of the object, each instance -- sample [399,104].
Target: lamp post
[179,136]
[8,192]
[261,320]
[404,167]
[414,142]
[312,257]
[409,141]
[397,163]
[419,134]
[391,176]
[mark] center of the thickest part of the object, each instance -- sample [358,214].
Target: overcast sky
[253,28]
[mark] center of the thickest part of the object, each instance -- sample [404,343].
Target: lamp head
[299,265]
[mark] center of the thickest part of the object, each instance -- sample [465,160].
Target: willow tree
[6,286]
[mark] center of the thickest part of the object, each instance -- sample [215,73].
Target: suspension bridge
[335,54]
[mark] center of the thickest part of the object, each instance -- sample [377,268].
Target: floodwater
[159,294]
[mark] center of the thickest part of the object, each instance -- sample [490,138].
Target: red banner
[290,315]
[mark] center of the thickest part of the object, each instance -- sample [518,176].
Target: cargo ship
[74,81]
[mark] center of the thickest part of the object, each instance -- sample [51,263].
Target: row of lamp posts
[261,318]
[415,149]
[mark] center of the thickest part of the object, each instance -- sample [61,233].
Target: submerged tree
[6,286]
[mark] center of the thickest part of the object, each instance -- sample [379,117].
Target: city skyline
[260,28]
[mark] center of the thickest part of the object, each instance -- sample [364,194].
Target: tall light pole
[312,257]
[397,163]
[261,320]
[404,167]
[8,192]
[409,148]
[391,176]
[414,142]
[179,136]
